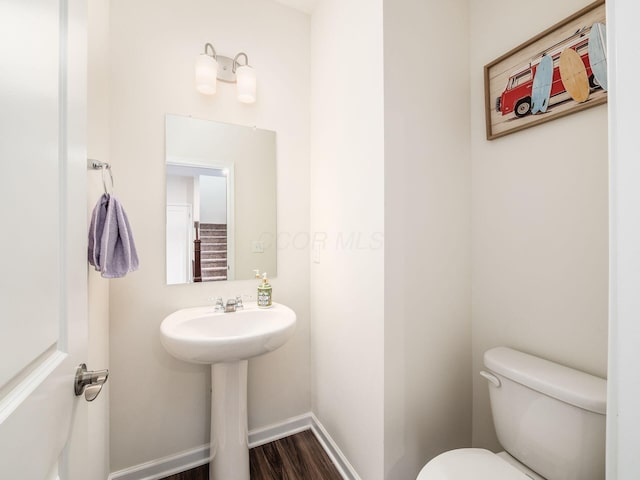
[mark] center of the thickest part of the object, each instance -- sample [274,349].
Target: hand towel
[112,250]
[95,230]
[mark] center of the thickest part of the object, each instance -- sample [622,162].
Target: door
[43,299]
[179,244]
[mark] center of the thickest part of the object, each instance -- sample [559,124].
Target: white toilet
[550,419]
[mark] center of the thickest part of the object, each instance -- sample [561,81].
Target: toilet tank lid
[563,383]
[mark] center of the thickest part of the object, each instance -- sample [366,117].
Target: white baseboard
[166,466]
[276,431]
[335,454]
[180,462]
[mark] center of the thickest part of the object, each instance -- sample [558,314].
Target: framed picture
[560,71]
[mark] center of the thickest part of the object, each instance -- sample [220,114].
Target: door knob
[89,382]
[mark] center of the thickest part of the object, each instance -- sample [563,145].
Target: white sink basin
[227,341]
[200,335]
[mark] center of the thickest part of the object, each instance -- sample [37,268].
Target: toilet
[550,420]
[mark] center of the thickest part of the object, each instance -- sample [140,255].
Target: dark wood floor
[298,457]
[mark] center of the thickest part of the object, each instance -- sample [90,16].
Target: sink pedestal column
[229,436]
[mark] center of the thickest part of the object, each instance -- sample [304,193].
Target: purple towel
[112,250]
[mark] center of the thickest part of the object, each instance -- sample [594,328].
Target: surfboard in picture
[574,75]
[598,53]
[542,85]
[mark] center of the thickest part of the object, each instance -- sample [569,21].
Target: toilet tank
[549,417]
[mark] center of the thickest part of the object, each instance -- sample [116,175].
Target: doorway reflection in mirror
[197,223]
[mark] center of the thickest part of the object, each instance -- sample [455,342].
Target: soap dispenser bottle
[264,291]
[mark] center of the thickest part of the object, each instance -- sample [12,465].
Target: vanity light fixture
[211,67]
[207,71]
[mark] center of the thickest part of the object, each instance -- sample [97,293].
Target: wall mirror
[221,201]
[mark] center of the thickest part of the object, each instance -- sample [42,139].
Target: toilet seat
[466,463]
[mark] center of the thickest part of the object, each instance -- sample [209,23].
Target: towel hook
[107,167]
[98,165]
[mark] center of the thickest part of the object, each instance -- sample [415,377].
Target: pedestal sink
[226,341]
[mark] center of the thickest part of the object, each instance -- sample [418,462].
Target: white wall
[213,199]
[98,287]
[427,233]
[180,190]
[347,198]
[539,220]
[624,357]
[159,405]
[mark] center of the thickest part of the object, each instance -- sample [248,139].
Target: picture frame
[541,80]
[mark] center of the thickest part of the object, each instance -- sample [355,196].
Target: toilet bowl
[550,419]
[476,463]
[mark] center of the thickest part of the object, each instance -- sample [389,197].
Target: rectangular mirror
[221,201]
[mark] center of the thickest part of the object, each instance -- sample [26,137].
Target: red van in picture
[516,96]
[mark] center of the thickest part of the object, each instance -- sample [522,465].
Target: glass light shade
[246,88]
[206,73]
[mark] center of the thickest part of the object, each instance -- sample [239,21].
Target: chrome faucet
[231,306]
[219,305]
